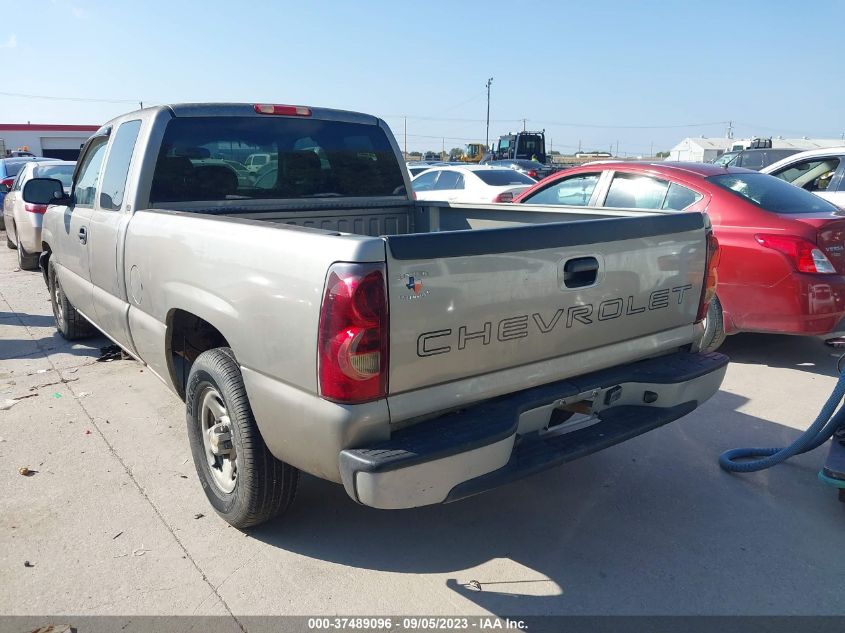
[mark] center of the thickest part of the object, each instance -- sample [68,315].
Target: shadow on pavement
[29,320]
[653,522]
[805,353]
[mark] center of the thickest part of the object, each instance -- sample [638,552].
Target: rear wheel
[714,327]
[25,260]
[70,324]
[244,483]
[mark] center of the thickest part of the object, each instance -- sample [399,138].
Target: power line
[51,98]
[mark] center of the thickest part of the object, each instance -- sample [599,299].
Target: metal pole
[406,137]
[487,139]
[523,125]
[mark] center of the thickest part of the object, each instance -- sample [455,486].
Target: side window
[117,167]
[18,184]
[573,191]
[630,191]
[425,181]
[449,180]
[813,175]
[85,186]
[679,198]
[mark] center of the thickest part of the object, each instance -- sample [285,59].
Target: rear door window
[679,197]
[117,167]
[574,191]
[449,180]
[633,191]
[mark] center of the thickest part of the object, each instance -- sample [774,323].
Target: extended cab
[314,317]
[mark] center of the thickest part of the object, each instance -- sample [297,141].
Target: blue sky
[593,72]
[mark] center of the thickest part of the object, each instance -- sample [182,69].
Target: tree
[662,155]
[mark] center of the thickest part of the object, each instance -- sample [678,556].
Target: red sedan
[782,266]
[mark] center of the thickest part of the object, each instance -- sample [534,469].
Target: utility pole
[651,151]
[487,140]
[617,147]
[443,150]
[141,103]
[730,129]
[523,124]
[406,137]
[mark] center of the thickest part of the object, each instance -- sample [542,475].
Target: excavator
[473,153]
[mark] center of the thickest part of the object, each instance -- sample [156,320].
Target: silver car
[23,220]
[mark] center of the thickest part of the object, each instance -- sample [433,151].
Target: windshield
[726,159]
[772,194]
[503,177]
[61,172]
[241,158]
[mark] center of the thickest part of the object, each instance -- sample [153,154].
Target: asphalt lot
[109,520]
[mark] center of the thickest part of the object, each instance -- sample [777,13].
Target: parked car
[23,221]
[256,162]
[781,248]
[755,159]
[819,171]
[9,168]
[332,324]
[470,183]
[530,168]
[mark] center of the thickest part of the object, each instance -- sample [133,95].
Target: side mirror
[44,191]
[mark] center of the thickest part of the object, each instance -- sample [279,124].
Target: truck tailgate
[464,303]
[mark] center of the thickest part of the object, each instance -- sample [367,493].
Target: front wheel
[70,324]
[714,327]
[244,483]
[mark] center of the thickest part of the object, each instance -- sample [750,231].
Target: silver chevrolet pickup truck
[315,317]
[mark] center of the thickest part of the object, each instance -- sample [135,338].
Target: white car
[821,171]
[23,220]
[470,183]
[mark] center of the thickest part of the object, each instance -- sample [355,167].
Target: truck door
[108,226]
[72,267]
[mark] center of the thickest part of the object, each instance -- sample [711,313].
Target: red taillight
[35,208]
[806,256]
[353,340]
[288,110]
[710,276]
[507,196]
[7,182]
[532,173]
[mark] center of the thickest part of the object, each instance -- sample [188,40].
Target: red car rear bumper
[798,304]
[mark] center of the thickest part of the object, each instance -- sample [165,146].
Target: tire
[70,324]
[253,486]
[25,260]
[714,327]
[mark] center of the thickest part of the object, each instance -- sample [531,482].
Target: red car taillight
[806,256]
[710,276]
[507,196]
[532,173]
[8,182]
[35,208]
[287,110]
[352,344]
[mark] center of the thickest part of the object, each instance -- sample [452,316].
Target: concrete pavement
[115,522]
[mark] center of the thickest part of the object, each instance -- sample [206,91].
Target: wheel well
[44,260]
[188,336]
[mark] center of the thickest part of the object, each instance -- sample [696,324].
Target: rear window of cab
[206,158]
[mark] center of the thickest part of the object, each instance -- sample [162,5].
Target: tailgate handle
[580,272]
